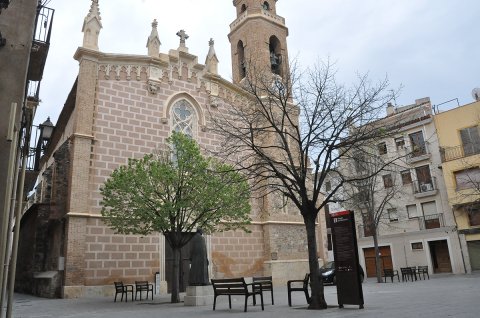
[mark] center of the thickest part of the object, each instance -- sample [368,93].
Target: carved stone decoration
[214,89]
[117,69]
[152,87]
[214,101]
[155,73]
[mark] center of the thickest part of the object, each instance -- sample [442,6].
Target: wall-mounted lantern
[46,130]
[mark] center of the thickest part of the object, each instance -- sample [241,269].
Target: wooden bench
[266,282]
[236,286]
[390,273]
[304,287]
[143,286]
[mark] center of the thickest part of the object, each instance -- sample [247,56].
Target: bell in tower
[258,39]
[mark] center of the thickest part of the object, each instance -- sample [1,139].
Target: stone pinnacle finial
[211,62]
[153,42]
[91,27]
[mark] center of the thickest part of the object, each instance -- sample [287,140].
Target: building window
[387,180]
[393,215]
[406,177]
[467,179]
[266,6]
[183,117]
[382,148]
[328,217]
[328,186]
[368,225]
[429,208]
[473,215]
[431,218]
[424,179]
[416,246]
[363,195]
[360,163]
[470,140]
[412,211]
[400,143]
[418,144]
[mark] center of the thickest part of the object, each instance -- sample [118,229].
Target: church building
[124,106]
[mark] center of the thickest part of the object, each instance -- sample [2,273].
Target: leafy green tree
[175,191]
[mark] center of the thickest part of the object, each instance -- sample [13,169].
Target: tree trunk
[378,265]
[317,297]
[176,275]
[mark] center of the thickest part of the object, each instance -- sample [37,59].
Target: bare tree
[371,197]
[286,133]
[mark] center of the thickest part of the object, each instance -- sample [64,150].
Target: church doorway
[184,266]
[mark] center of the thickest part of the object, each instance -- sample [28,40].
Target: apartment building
[417,226]
[458,132]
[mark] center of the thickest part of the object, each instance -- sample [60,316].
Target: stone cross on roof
[183,36]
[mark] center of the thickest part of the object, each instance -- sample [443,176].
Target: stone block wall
[111,257]
[236,253]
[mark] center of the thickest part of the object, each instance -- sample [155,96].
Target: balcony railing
[458,152]
[432,221]
[421,187]
[41,43]
[419,153]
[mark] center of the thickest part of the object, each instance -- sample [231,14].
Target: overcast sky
[429,47]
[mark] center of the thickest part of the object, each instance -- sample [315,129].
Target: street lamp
[46,130]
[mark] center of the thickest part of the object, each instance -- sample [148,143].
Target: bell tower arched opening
[275,50]
[242,70]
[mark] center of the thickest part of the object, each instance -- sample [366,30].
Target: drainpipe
[12,138]
[467,270]
[19,209]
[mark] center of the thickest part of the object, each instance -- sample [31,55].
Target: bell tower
[258,39]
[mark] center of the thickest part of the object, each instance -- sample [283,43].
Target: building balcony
[419,154]
[421,223]
[41,43]
[423,189]
[433,221]
[459,152]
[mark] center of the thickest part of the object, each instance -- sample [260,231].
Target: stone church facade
[124,106]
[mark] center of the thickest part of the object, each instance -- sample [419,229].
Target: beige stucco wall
[449,124]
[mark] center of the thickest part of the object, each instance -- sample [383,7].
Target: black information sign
[345,253]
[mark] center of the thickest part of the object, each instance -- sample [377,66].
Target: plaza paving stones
[444,295]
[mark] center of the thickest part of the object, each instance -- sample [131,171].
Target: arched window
[242,70]
[243,9]
[275,55]
[266,6]
[183,117]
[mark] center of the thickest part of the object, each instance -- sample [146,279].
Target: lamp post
[46,130]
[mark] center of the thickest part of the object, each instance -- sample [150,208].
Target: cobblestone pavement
[441,296]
